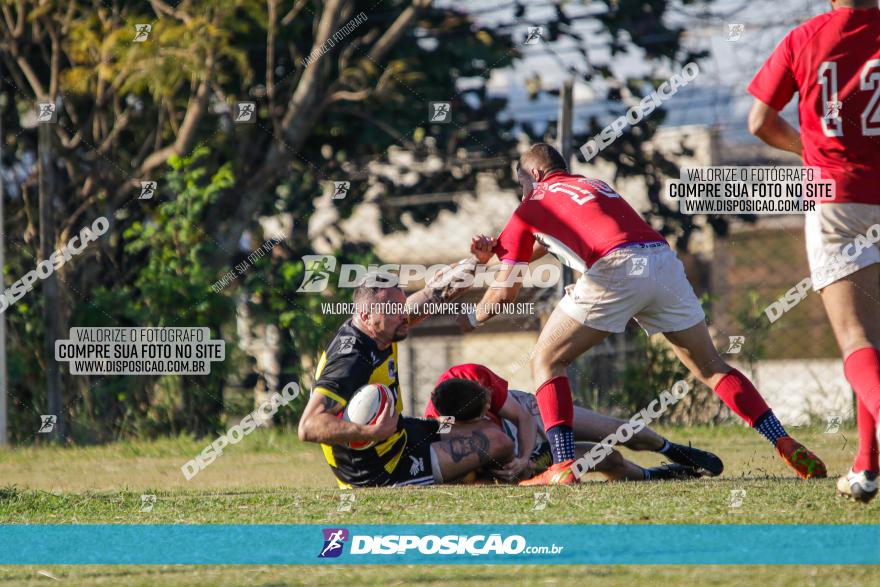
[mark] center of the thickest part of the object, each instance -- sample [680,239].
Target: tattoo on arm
[329,404]
[463,446]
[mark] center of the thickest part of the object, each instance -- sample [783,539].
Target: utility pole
[3,390]
[564,132]
[51,297]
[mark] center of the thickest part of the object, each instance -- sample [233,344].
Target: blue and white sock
[561,439]
[770,427]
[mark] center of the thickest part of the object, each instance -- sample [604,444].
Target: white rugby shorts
[841,239]
[642,281]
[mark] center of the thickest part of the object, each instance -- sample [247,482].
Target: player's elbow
[758,127]
[306,431]
[760,120]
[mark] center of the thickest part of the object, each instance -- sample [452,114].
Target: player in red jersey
[628,271]
[472,392]
[833,62]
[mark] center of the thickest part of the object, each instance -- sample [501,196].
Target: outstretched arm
[452,282]
[766,124]
[496,296]
[448,285]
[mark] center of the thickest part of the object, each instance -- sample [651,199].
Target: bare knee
[711,371]
[546,364]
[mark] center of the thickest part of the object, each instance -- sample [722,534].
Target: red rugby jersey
[482,375]
[578,219]
[833,62]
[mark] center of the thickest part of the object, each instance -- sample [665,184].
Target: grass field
[272,478]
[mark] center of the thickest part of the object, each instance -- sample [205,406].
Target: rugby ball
[364,408]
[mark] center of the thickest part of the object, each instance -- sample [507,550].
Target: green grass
[476,575]
[270,477]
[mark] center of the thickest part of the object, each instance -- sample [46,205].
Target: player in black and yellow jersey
[408,451]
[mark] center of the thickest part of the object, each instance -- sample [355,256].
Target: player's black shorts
[415,466]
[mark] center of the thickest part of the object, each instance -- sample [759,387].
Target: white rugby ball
[365,406]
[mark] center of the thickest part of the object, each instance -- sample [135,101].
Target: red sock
[555,403]
[862,369]
[867,457]
[740,395]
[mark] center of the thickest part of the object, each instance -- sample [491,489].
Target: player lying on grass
[472,392]
[407,451]
[832,61]
[628,271]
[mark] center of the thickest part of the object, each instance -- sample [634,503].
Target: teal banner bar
[439,544]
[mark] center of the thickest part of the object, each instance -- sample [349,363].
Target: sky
[717,97]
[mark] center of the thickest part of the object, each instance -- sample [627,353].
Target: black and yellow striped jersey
[351,361]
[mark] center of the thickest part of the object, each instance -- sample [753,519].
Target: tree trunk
[51,297]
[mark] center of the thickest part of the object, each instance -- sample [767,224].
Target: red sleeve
[482,375]
[775,83]
[516,240]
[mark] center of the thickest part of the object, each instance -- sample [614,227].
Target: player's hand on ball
[516,470]
[482,247]
[385,425]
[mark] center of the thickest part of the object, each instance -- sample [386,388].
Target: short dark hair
[461,398]
[542,157]
[365,294]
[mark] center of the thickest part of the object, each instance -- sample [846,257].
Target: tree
[142,86]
